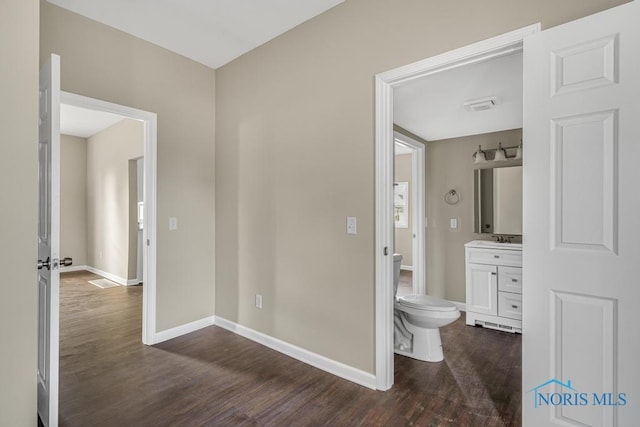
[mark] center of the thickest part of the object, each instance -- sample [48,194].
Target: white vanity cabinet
[494,285]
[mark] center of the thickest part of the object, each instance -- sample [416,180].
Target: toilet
[417,321]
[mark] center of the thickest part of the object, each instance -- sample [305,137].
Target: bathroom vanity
[494,285]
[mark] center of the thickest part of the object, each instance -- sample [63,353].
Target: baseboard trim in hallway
[119,280]
[321,362]
[183,329]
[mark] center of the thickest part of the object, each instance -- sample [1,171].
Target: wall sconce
[519,151]
[479,156]
[501,155]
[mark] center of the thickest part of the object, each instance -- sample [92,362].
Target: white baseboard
[119,280]
[73,268]
[321,362]
[112,277]
[461,306]
[406,267]
[183,329]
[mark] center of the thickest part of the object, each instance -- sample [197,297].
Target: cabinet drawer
[495,257]
[510,305]
[510,279]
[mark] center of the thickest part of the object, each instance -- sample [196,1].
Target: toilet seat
[426,303]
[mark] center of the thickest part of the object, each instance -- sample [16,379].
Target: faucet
[502,239]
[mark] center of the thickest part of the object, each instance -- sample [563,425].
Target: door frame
[417,197]
[385,82]
[149,230]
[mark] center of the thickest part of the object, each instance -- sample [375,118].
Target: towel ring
[452,197]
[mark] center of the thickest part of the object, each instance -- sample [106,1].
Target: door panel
[48,280]
[581,222]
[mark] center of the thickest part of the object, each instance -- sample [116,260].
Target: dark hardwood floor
[213,377]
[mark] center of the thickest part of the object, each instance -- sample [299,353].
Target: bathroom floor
[478,383]
[213,377]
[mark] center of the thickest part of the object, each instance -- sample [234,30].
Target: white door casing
[48,277]
[582,222]
[149,231]
[504,44]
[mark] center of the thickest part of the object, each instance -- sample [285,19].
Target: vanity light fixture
[519,151]
[501,155]
[479,156]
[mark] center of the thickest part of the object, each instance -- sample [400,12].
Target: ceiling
[212,32]
[76,121]
[432,107]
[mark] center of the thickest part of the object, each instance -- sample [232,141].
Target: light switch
[453,223]
[351,225]
[173,223]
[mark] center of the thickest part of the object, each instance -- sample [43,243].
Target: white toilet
[417,321]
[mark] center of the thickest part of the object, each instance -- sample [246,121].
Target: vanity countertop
[490,244]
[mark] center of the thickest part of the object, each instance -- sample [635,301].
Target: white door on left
[48,280]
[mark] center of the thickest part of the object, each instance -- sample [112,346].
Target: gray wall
[295,157]
[108,197]
[18,174]
[101,62]
[450,166]
[73,198]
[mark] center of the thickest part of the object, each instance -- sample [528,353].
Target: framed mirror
[498,200]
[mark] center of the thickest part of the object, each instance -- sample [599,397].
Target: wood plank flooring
[213,377]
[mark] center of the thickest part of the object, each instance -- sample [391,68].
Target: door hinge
[386,250]
[148,242]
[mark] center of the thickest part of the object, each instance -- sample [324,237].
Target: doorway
[146,246]
[496,47]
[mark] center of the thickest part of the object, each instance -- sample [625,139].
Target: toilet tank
[397,262]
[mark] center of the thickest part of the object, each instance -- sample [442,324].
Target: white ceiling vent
[481,104]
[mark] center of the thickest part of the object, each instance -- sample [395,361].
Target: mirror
[498,200]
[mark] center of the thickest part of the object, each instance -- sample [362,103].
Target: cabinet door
[482,288]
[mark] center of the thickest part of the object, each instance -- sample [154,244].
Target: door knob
[46,263]
[64,262]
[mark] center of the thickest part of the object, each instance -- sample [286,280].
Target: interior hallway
[213,377]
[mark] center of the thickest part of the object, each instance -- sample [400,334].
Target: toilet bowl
[418,319]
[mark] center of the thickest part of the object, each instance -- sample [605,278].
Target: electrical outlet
[258,301]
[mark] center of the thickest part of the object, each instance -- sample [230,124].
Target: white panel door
[48,280]
[581,253]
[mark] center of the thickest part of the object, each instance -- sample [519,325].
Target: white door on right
[581,253]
